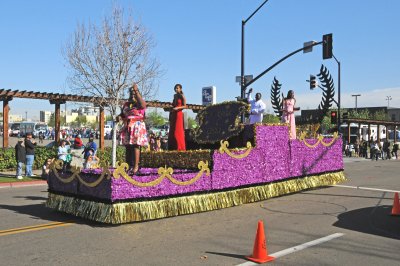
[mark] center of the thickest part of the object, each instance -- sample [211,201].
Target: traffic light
[313,82]
[345,116]
[334,117]
[327,46]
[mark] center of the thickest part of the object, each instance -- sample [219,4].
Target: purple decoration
[122,189]
[274,158]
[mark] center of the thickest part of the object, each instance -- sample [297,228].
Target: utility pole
[388,99]
[356,95]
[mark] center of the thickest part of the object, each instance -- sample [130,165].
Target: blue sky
[198,45]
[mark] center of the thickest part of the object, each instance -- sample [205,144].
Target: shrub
[8,161]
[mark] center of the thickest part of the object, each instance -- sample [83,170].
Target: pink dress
[134,130]
[288,116]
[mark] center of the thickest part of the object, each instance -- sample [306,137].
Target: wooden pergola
[370,122]
[57,99]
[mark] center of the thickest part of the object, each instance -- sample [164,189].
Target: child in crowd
[46,168]
[92,161]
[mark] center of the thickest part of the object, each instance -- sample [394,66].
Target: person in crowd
[176,136]
[152,140]
[133,134]
[164,143]
[68,140]
[365,149]
[357,148]
[46,168]
[288,109]
[395,149]
[380,145]
[30,144]
[375,151]
[346,149]
[92,161]
[351,149]
[257,107]
[371,143]
[64,155]
[90,145]
[158,143]
[386,149]
[41,137]
[20,156]
[78,143]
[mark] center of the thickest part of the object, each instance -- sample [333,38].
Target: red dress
[176,137]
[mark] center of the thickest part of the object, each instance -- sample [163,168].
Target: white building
[45,116]
[15,118]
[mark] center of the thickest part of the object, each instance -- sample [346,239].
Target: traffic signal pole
[242,79]
[280,61]
[338,103]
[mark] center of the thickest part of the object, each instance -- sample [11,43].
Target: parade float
[231,164]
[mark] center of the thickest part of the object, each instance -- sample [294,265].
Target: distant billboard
[209,95]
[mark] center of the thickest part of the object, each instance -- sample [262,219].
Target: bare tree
[106,60]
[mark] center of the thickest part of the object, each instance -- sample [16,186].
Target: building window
[393,117]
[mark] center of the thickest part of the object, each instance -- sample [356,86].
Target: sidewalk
[22,183]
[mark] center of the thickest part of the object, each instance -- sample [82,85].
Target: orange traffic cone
[260,253]
[396,205]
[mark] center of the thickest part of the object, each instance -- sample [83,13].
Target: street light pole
[388,99]
[242,80]
[356,95]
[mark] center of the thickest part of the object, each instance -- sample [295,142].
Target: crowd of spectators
[372,149]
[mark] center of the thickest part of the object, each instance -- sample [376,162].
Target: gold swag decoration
[320,140]
[57,165]
[224,149]
[163,172]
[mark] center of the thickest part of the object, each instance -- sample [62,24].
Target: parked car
[107,130]
[14,130]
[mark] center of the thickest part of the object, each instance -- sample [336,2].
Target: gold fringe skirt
[125,212]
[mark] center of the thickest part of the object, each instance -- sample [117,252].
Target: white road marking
[297,248]
[367,188]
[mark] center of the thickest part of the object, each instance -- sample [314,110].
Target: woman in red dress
[176,136]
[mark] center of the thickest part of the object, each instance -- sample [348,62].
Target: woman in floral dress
[133,134]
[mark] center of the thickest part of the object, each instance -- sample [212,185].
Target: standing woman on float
[133,133]
[288,113]
[176,136]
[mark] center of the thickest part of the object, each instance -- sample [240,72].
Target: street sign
[209,95]
[247,78]
[309,49]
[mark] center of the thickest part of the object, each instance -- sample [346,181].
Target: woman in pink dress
[133,134]
[288,113]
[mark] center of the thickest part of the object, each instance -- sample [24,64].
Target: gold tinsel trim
[320,140]
[118,213]
[224,149]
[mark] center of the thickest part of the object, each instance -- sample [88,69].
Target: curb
[23,184]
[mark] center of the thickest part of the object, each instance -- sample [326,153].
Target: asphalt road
[370,235]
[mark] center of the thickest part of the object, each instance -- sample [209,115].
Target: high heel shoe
[136,172]
[132,171]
